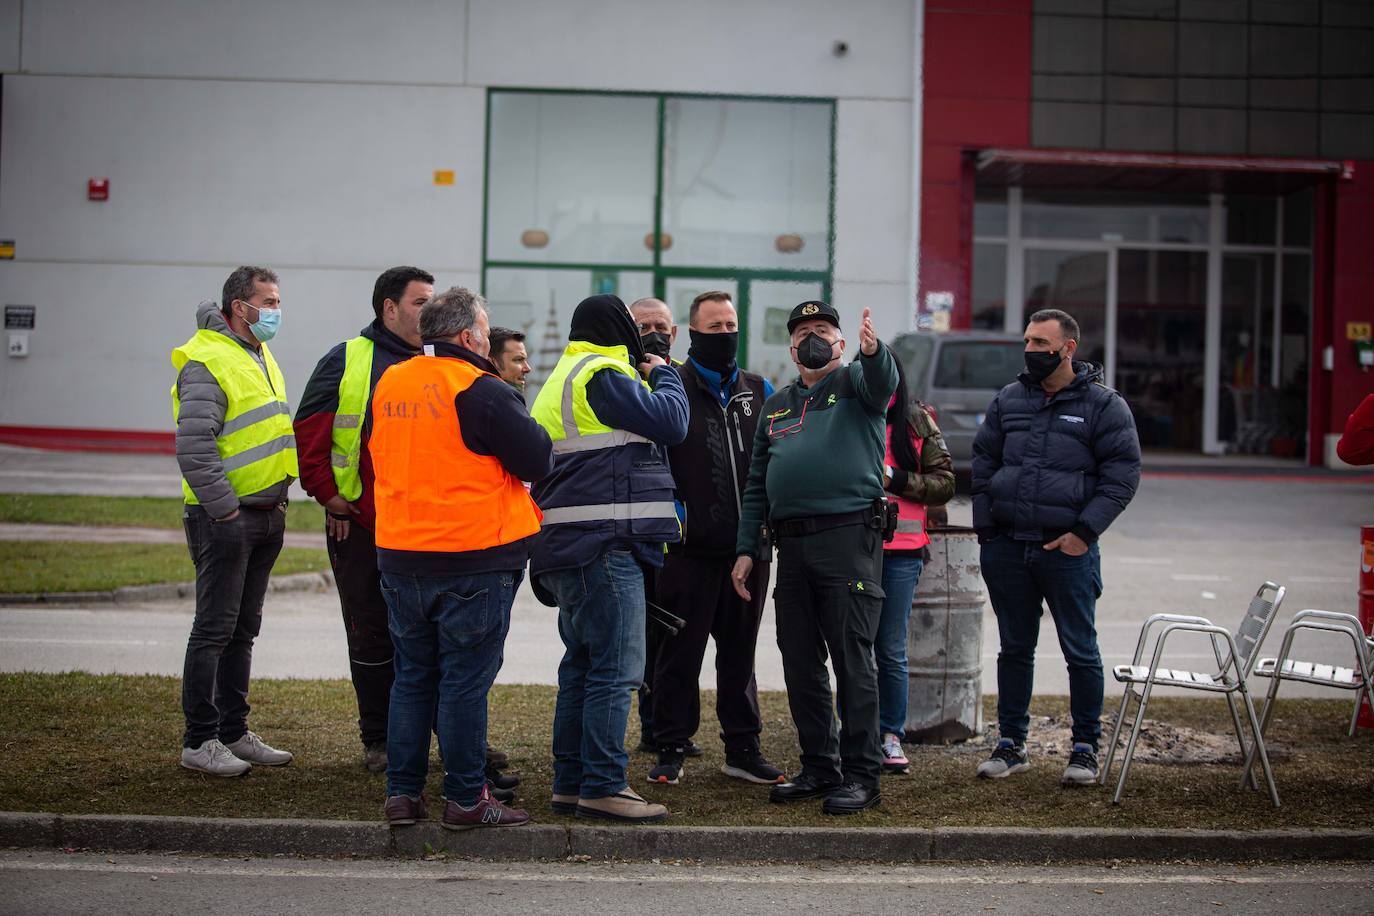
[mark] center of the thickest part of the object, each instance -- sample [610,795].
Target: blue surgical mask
[265,328]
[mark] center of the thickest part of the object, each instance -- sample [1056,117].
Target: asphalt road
[72,883]
[1194,544]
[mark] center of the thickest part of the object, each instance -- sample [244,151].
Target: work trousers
[829,599]
[698,589]
[370,652]
[233,561]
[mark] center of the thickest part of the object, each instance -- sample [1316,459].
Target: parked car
[958,373]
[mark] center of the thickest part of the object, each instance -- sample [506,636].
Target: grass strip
[81,566]
[109,744]
[126,511]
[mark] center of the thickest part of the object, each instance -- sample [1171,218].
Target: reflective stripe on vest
[619,512]
[256,445]
[346,437]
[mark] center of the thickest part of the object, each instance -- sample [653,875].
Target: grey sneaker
[253,749]
[1082,768]
[374,757]
[214,758]
[1006,759]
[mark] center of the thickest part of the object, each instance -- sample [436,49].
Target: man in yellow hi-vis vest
[237,455]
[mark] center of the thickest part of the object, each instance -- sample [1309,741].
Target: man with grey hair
[451,444]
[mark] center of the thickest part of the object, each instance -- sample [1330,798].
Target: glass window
[989,299]
[914,352]
[571,178]
[1075,282]
[1297,218]
[978,363]
[1250,220]
[746,183]
[770,347]
[990,212]
[1122,217]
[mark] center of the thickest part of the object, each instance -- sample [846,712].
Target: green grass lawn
[82,566]
[126,511]
[110,744]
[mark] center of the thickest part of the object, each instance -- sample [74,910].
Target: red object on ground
[1367,604]
[1356,445]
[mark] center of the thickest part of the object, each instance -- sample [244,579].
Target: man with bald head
[656,329]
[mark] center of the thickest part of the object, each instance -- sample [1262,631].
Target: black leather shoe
[801,788]
[501,795]
[851,798]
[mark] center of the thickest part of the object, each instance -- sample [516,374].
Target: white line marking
[1335,580]
[1198,577]
[599,874]
[79,642]
[1145,561]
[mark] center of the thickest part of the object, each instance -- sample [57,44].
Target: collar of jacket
[382,337]
[1085,373]
[711,379]
[446,350]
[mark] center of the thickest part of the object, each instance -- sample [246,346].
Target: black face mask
[1040,365]
[814,353]
[657,343]
[714,351]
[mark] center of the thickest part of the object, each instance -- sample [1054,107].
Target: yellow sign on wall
[443,176]
[1358,330]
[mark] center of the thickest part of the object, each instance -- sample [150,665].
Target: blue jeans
[901,572]
[1022,577]
[601,620]
[449,635]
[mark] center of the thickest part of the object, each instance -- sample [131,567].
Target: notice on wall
[1358,330]
[19,317]
[6,249]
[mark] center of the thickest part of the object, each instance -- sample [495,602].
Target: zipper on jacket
[730,446]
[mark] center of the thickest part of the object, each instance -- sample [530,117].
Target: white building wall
[303,135]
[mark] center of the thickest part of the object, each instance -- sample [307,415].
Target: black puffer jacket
[1045,467]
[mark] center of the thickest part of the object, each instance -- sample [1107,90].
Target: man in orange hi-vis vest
[451,444]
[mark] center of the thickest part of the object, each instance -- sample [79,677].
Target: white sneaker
[253,749]
[214,758]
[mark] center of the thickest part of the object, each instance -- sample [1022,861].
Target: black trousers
[698,590]
[370,653]
[233,562]
[828,599]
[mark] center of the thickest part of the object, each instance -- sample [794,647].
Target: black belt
[797,527]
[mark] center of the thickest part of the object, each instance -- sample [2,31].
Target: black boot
[851,798]
[801,788]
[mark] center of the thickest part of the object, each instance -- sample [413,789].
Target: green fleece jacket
[819,450]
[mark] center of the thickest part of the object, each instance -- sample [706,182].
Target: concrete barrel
[945,642]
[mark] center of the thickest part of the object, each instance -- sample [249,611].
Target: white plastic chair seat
[1139,674]
[1312,673]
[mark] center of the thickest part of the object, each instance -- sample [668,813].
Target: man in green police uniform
[816,483]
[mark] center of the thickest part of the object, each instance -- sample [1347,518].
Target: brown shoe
[401,810]
[497,759]
[625,806]
[488,812]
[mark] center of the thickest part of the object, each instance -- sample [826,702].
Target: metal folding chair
[1284,668]
[1233,670]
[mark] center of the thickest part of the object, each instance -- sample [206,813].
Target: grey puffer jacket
[201,417]
[1046,466]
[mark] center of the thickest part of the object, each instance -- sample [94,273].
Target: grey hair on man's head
[1067,325]
[449,313]
[242,284]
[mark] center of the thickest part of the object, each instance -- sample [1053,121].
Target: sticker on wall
[443,176]
[19,317]
[1358,330]
[6,249]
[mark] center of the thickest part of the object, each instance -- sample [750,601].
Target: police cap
[811,310]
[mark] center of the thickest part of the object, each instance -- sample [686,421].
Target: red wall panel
[1352,289]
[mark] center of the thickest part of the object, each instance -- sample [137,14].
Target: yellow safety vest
[346,437]
[562,407]
[257,445]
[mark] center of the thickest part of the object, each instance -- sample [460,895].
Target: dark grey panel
[1211,130]
[1297,12]
[1225,10]
[1283,50]
[1211,49]
[1066,88]
[1284,93]
[1141,89]
[1063,44]
[1348,136]
[1140,47]
[1348,52]
[1348,94]
[1348,12]
[1139,127]
[1283,133]
[1070,7]
[1143,9]
[1071,124]
[1230,93]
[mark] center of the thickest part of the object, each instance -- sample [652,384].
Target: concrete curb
[263,837]
[165,591]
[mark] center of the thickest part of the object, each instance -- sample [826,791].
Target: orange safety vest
[433,494]
[911,515]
